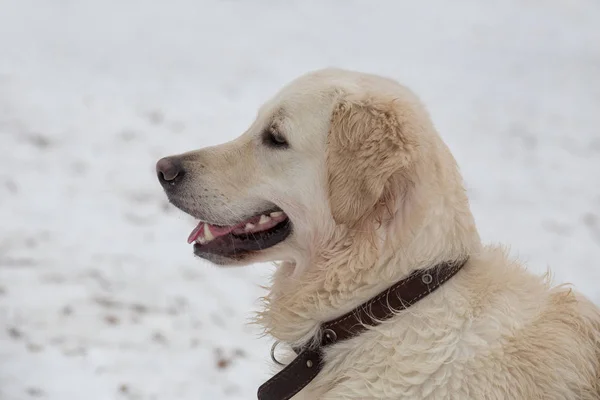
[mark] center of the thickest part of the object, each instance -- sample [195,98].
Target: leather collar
[309,362]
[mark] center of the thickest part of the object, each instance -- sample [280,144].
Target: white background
[100,297]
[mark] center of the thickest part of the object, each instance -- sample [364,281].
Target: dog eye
[274,139]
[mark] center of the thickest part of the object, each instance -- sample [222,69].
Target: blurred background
[100,296]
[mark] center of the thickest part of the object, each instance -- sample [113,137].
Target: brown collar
[402,295]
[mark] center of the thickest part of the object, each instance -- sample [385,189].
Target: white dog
[345,182]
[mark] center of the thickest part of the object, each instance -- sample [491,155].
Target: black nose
[169,170]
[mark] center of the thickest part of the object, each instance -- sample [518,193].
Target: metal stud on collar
[330,335]
[427,279]
[275,360]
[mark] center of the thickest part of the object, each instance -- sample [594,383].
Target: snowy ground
[100,297]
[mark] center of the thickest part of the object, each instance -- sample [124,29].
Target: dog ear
[371,140]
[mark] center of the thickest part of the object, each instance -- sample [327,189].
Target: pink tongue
[216,231]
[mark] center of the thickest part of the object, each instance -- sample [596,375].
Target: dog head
[335,155]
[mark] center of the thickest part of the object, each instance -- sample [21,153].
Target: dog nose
[169,170]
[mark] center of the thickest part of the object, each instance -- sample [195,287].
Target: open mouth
[253,234]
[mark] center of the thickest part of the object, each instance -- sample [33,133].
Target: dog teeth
[276,214]
[201,240]
[208,236]
[264,219]
[249,227]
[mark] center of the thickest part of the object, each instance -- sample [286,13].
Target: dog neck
[357,264]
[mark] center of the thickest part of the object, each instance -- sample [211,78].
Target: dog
[343,181]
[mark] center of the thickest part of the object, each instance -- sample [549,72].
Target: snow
[100,297]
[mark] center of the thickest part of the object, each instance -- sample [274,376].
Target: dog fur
[373,194]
